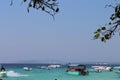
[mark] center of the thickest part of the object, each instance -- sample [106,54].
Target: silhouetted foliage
[106,32]
[48,6]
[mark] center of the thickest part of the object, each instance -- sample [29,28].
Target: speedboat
[3,73]
[54,66]
[102,68]
[77,69]
[117,70]
[45,67]
[116,67]
[27,68]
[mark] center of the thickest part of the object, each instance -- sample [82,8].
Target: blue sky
[35,36]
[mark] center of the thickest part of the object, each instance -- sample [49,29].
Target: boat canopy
[76,65]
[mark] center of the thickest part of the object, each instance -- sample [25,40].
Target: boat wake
[14,74]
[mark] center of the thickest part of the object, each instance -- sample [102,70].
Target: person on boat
[2,68]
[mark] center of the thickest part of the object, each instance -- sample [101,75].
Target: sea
[16,72]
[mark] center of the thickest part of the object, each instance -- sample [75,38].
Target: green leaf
[107,36]
[57,9]
[95,32]
[109,23]
[103,28]
[97,36]
[118,22]
[103,39]
[98,30]
[112,18]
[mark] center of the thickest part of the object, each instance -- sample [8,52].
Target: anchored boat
[3,72]
[77,69]
[27,68]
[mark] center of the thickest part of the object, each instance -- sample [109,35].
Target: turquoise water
[17,73]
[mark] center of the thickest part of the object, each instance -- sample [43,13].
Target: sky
[36,37]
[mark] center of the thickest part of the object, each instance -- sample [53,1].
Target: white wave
[14,74]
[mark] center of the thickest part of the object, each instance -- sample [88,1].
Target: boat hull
[73,73]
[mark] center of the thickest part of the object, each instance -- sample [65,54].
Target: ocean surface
[16,72]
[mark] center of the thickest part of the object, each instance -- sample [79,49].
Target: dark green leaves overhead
[48,6]
[106,32]
[103,39]
[96,36]
[103,28]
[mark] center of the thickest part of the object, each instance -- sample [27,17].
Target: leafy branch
[105,33]
[48,6]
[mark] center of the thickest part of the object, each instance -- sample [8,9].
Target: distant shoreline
[62,63]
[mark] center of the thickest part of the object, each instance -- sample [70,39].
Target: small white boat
[45,67]
[27,68]
[54,66]
[3,73]
[116,67]
[102,68]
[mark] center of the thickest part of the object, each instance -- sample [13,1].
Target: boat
[94,70]
[27,68]
[117,70]
[3,72]
[102,68]
[45,67]
[77,69]
[54,66]
[116,67]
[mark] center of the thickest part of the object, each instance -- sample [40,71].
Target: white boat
[102,68]
[116,67]
[3,73]
[45,67]
[73,64]
[27,68]
[54,66]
